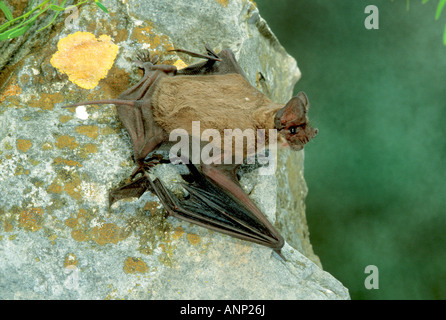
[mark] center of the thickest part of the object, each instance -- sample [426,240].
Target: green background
[376,172]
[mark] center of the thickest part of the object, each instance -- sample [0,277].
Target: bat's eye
[293,130]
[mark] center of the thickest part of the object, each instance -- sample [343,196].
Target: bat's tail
[111,101]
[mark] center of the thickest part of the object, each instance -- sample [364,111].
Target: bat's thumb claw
[279,253]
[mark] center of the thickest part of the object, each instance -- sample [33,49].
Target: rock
[59,239]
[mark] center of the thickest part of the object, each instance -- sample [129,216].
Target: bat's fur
[218,101]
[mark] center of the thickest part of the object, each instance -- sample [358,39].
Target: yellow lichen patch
[107,233]
[108,130]
[224,3]
[73,189]
[135,265]
[193,238]
[53,238]
[7,146]
[64,119]
[180,64]
[91,148]
[19,170]
[89,131]
[32,219]
[71,223]
[85,59]
[67,162]
[46,101]
[12,90]
[79,235]
[158,44]
[47,146]
[70,261]
[178,233]
[66,142]
[87,149]
[7,226]
[55,188]
[24,145]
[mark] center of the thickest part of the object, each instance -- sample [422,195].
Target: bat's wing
[217,203]
[213,202]
[222,63]
[134,189]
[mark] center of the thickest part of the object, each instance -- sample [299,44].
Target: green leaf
[6,11]
[440,7]
[101,6]
[424,1]
[15,33]
[56,8]
[444,36]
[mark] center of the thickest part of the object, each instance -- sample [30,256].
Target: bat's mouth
[297,147]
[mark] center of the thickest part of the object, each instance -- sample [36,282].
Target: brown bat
[216,93]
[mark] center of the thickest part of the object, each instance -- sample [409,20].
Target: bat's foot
[145,60]
[144,166]
[211,55]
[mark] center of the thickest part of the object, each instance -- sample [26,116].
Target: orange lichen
[89,131]
[7,226]
[23,145]
[73,188]
[70,261]
[47,146]
[64,119]
[223,3]
[85,59]
[178,233]
[157,43]
[91,148]
[134,265]
[67,162]
[32,219]
[79,235]
[193,238]
[108,233]
[46,101]
[12,90]
[55,188]
[66,142]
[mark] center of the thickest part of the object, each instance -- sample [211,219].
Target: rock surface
[59,239]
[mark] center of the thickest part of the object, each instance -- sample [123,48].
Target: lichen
[24,145]
[32,219]
[85,59]
[101,234]
[65,141]
[193,238]
[12,90]
[135,265]
[89,131]
[70,261]
[223,3]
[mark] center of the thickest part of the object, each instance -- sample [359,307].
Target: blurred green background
[376,172]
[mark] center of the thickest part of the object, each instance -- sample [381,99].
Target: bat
[216,93]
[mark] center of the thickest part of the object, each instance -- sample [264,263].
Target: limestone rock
[59,239]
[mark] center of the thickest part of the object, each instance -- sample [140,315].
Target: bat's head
[292,122]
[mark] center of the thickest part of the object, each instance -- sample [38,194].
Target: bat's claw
[146,165]
[145,60]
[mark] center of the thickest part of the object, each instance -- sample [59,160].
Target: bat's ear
[304,100]
[295,109]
